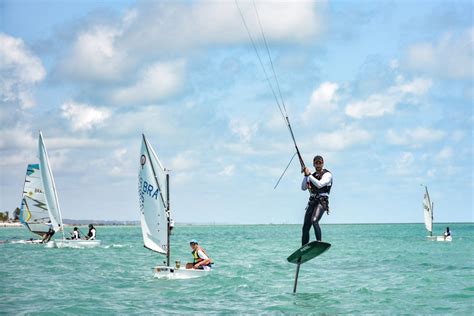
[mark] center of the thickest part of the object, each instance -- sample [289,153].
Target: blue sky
[382,89]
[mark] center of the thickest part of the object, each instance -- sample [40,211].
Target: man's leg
[317,215]
[307,222]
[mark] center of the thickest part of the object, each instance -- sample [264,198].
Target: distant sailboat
[52,203]
[154,202]
[34,213]
[428,215]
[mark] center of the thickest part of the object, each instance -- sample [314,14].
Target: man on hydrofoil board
[319,185]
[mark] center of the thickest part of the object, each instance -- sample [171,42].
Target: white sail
[428,211]
[49,186]
[153,199]
[34,211]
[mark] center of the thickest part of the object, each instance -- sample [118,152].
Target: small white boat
[428,214]
[76,243]
[154,202]
[51,204]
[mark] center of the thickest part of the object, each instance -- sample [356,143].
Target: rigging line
[284,115]
[284,171]
[259,59]
[269,57]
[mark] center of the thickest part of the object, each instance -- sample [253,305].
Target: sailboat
[154,203]
[51,203]
[428,214]
[34,213]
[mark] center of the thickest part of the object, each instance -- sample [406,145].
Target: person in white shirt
[91,234]
[75,234]
[319,185]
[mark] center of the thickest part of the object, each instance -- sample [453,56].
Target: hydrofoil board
[308,252]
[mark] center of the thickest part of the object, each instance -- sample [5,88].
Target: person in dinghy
[201,259]
[319,185]
[91,233]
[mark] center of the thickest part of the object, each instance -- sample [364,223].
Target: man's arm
[325,180]
[304,184]
[203,262]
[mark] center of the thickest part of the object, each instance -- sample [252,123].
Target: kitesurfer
[319,185]
[201,259]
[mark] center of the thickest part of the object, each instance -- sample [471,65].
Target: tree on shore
[3,216]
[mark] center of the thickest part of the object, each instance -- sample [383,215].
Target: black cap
[318,158]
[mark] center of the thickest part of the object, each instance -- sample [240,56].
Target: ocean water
[370,269]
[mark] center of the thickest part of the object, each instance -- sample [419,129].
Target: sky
[383,90]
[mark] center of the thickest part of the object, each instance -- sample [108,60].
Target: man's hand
[306,171]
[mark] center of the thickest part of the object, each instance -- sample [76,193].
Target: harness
[316,191]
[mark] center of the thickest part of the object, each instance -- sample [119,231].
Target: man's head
[193,243]
[318,163]
[75,228]
[90,226]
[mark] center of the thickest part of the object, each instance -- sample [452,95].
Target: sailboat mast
[169,218]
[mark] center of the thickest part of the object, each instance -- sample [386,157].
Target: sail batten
[152,192]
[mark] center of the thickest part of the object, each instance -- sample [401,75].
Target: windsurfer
[201,259]
[49,234]
[319,185]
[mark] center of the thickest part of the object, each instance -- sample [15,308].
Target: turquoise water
[376,269]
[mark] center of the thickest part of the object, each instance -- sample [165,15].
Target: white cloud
[457,135]
[323,98]
[95,54]
[183,26]
[83,116]
[445,154]
[449,57]
[20,70]
[185,161]
[17,138]
[403,165]
[243,130]
[342,138]
[414,137]
[379,104]
[228,171]
[157,81]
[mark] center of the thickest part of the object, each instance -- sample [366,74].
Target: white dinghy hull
[165,272]
[66,243]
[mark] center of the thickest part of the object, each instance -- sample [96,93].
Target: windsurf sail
[34,211]
[49,187]
[153,186]
[428,211]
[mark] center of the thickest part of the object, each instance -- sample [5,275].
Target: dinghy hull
[66,243]
[165,272]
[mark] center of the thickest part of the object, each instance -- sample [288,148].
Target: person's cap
[318,158]
[193,241]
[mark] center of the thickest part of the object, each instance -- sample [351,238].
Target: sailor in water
[319,185]
[91,234]
[201,259]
